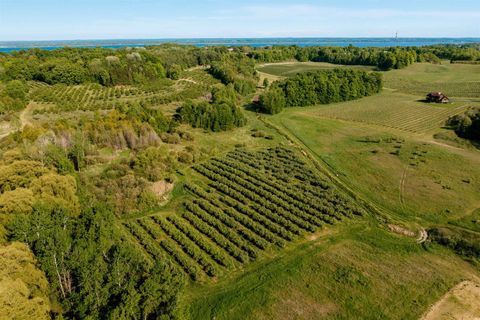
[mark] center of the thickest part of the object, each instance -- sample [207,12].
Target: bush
[16,89]
[272,101]
[467,125]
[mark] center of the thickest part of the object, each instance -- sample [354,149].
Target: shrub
[272,101]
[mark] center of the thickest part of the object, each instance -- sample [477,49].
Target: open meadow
[455,80]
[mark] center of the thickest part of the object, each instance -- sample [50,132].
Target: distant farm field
[290,69]
[455,80]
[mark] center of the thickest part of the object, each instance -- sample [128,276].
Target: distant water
[9,46]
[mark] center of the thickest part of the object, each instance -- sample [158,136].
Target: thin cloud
[298,10]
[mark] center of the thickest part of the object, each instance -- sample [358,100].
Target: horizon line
[246,38]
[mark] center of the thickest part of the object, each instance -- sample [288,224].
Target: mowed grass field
[290,69]
[455,80]
[393,110]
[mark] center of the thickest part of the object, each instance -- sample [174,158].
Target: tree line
[142,65]
[321,87]
[383,58]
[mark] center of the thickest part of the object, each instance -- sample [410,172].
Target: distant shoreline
[9,46]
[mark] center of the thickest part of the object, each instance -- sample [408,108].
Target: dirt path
[188,80]
[471,154]
[445,145]
[198,68]
[402,187]
[5,129]
[461,302]
[26,116]
[24,119]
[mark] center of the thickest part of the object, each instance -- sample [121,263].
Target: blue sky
[103,19]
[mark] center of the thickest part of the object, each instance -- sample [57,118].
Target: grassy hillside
[383,148]
[397,170]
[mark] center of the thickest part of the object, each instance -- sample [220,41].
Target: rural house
[437,97]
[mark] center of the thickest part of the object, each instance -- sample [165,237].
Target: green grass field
[349,272]
[403,173]
[290,69]
[455,80]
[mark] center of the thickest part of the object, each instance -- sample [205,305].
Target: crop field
[455,80]
[92,97]
[393,110]
[248,202]
[290,69]
[82,95]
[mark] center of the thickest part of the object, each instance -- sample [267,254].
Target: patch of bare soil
[400,230]
[460,303]
[5,129]
[422,234]
[162,189]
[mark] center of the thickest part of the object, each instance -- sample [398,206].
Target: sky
[130,19]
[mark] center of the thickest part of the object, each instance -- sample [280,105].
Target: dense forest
[321,87]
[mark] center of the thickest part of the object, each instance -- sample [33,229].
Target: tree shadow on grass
[253,107]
